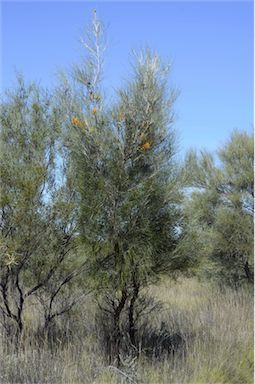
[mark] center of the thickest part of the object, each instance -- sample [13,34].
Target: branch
[50,273]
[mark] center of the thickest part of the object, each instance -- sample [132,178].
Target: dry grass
[217,327]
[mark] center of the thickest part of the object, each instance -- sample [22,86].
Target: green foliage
[27,162]
[219,213]
[36,209]
[128,181]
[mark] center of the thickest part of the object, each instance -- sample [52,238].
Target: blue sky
[209,43]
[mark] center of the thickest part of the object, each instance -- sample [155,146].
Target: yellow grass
[216,325]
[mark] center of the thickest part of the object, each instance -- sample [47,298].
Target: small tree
[220,210]
[127,180]
[36,222]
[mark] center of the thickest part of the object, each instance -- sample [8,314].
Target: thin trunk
[16,313]
[248,273]
[132,329]
[20,306]
[115,355]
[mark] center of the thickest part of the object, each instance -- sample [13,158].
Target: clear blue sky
[210,44]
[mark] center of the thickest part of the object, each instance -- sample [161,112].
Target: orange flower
[76,122]
[146,146]
[94,110]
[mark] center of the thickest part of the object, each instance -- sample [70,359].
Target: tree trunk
[248,273]
[132,329]
[116,340]
[20,306]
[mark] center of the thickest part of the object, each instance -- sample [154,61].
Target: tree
[220,209]
[37,231]
[122,159]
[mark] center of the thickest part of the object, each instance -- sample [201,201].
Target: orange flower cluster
[146,145]
[76,122]
[94,110]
